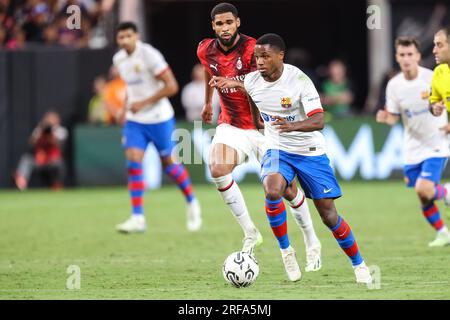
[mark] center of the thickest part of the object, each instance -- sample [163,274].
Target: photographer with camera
[46,156]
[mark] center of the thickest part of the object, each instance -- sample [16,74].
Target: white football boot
[194,216]
[133,225]
[251,242]
[313,259]
[290,264]
[362,274]
[442,240]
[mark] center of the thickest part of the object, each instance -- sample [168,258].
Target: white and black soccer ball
[240,269]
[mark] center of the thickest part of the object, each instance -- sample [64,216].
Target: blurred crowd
[26,22]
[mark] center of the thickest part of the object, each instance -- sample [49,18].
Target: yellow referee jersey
[440,85]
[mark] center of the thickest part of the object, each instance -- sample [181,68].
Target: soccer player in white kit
[288,103]
[149,118]
[426,145]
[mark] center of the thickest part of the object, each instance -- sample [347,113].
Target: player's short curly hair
[273,40]
[224,7]
[406,42]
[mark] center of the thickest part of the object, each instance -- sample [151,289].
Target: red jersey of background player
[235,63]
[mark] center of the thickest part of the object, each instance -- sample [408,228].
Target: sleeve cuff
[315,111]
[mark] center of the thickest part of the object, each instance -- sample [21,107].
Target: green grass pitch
[42,233]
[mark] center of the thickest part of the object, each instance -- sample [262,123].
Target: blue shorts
[430,169]
[139,135]
[314,173]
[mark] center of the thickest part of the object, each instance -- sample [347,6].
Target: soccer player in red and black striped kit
[231,55]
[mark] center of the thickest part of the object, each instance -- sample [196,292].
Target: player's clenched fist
[382,116]
[207,113]
[437,108]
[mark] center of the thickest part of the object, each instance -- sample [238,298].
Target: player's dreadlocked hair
[223,7]
[273,40]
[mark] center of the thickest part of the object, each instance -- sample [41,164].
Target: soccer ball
[240,269]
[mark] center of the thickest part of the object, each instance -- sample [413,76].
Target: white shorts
[245,142]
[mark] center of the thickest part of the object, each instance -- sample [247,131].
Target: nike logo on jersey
[214,66]
[426,174]
[327,191]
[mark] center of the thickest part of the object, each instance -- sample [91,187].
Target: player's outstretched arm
[169,89]
[384,116]
[313,123]
[226,83]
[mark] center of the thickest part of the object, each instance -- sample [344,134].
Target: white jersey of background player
[149,119]
[409,99]
[140,71]
[426,144]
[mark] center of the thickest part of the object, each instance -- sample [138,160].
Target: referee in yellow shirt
[440,86]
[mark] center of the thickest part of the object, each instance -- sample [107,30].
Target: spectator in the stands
[337,92]
[98,114]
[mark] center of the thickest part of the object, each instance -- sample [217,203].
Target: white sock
[443,230]
[302,217]
[232,196]
[139,217]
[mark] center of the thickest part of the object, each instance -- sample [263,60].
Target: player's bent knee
[135,155]
[425,190]
[425,193]
[273,193]
[218,171]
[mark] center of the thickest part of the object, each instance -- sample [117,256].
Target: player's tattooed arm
[314,123]
[384,116]
[256,115]
[169,89]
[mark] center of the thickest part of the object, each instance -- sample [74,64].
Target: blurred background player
[440,87]
[149,118]
[193,96]
[231,56]
[286,99]
[46,155]
[426,145]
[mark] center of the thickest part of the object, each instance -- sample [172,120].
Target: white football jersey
[140,71]
[293,97]
[409,99]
